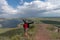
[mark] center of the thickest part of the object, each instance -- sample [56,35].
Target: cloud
[36,8]
[36,0]
[5,8]
[54,1]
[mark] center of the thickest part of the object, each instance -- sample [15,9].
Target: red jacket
[25,25]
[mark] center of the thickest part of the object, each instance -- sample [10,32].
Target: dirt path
[42,33]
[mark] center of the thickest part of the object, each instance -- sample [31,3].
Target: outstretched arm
[31,22]
[24,21]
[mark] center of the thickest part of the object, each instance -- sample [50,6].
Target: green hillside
[18,33]
[15,33]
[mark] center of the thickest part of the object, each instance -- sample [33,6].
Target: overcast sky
[29,8]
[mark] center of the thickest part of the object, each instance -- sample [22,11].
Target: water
[10,23]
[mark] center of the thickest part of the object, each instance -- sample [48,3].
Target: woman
[26,26]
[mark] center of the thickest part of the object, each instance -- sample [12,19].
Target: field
[42,29]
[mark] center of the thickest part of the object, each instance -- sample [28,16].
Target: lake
[10,23]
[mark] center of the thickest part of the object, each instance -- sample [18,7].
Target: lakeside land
[42,29]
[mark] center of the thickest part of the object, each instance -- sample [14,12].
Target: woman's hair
[24,21]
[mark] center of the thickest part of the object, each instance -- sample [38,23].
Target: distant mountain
[2,19]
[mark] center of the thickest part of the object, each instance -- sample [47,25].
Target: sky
[29,8]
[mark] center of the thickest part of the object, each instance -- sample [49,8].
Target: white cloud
[36,7]
[41,8]
[4,7]
[36,0]
[31,9]
[54,1]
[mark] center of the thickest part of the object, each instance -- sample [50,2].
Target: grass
[15,33]
[50,28]
[18,33]
[11,33]
[55,36]
[56,24]
[2,30]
